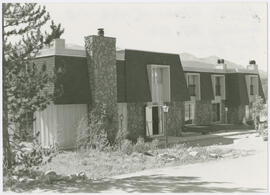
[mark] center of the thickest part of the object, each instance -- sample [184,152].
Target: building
[136,86]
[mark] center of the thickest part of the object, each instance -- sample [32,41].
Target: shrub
[141,146]
[33,155]
[154,144]
[127,147]
[120,138]
[91,131]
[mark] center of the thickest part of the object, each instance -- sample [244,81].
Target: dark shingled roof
[207,92]
[75,80]
[236,89]
[121,81]
[137,88]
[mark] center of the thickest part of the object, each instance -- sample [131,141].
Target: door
[154,122]
[155,119]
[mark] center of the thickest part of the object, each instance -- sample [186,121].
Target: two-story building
[135,86]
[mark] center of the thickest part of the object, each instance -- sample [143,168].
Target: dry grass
[97,165]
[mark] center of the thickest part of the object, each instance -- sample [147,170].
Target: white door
[149,125]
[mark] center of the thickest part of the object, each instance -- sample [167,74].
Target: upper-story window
[159,79]
[252,82]
[193,84]
[218,82]
[252,85]
[218,86]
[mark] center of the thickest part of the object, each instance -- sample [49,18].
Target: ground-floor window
[189,112]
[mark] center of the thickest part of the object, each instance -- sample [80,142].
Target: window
[218,83]
[252,83]
[218,86]
[193,84]
[159,79]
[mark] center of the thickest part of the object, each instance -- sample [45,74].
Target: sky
[233,31]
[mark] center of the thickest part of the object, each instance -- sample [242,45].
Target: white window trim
[151,67]
[199,79]
[218,98]
[248,82]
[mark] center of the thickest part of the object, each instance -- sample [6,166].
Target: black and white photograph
[134,97]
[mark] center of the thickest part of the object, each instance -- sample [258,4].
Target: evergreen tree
[25,86]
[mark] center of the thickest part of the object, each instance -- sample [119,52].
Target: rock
[15,177]
[22,179]
[50,176]
[50,173]
[148,154]
[167,157]
[194,153]
[212,155]
[81,175]
[29,180]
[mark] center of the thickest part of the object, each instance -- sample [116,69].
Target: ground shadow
[141,184]
[214,140]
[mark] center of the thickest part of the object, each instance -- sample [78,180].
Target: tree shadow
[141,184]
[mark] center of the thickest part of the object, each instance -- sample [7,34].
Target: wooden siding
[57,124]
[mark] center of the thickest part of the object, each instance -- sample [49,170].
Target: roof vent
[220,61]
[101,32]
[252,62]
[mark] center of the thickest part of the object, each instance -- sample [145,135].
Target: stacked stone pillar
[101,60]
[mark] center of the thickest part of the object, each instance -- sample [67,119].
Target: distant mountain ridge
[189,60]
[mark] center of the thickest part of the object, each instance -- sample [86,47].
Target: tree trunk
[6,144]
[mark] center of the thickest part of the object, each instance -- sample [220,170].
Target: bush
[120,138]
[141,146]
[91,131]
[154,144]
[127,147]
[33,155]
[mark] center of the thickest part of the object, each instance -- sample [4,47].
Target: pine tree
[24,84]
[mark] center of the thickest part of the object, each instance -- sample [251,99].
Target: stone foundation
[175,118]
[203,113]
[136,120]
[236,114]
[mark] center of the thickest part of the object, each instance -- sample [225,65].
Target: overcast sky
[234,31]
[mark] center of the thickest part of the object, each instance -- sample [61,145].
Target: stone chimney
[221,65]
[252,65]
[101,61]
[59,44]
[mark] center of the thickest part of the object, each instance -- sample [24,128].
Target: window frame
[196,96]
[222,81]
[150,68]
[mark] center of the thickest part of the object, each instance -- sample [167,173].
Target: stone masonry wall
[175,118]
[203,113]
[136,120]
[101,60]
[236,114]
